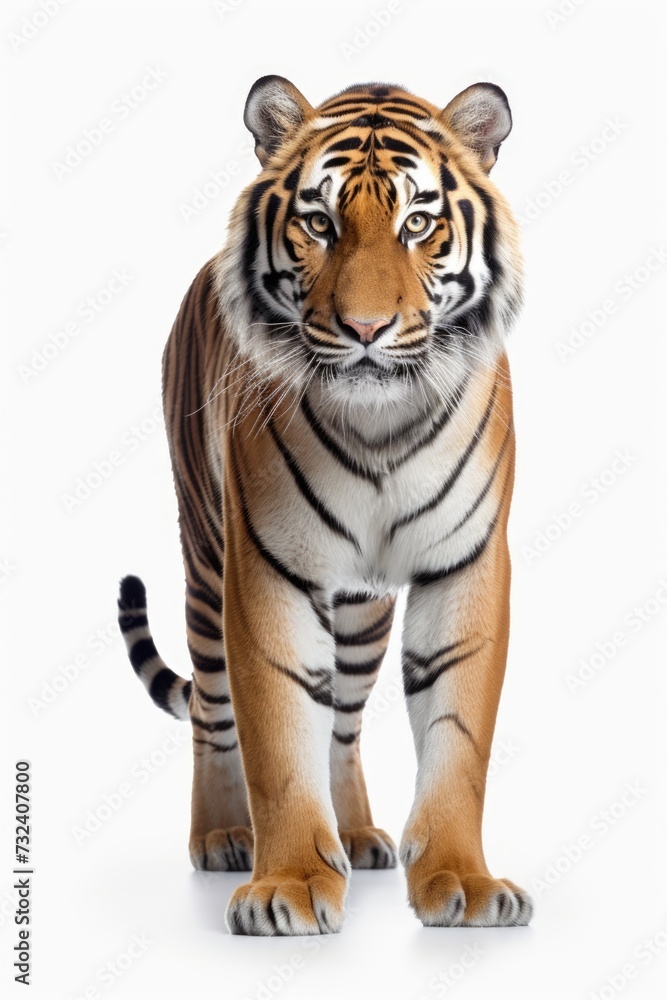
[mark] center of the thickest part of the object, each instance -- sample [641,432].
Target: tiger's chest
[330,522]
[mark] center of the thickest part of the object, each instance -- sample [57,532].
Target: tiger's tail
[169,691]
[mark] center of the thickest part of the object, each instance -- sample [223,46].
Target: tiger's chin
[370,389]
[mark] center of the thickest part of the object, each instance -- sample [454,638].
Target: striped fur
[339,413]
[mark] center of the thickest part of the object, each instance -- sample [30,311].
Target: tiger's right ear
[274,110]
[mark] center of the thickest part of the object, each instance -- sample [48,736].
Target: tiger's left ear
[481,119]
[274,110]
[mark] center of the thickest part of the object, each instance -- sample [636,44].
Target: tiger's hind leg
[362,636]
[220,835]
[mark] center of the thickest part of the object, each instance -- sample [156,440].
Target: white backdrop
[98,248]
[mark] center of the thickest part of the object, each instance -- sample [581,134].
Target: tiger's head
[372,260]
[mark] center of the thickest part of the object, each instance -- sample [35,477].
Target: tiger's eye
[319,222]
[417,223]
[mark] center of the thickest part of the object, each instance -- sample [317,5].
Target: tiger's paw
[492,902]
[446,899]
[228,850]
[304,899]
[369,847]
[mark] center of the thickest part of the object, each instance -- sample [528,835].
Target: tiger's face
[378,261]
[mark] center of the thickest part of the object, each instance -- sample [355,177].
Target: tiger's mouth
[369,370]
[367,364]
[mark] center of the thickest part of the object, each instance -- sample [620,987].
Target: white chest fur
[349,517]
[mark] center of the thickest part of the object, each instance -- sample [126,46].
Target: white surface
[570,753]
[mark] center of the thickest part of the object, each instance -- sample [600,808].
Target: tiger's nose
[365,329]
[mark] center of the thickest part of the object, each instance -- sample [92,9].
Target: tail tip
[132,593]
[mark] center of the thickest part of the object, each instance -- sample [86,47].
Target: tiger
[338,406]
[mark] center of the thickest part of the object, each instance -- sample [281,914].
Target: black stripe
[403,161]
[453,476]
[366,637]
[413,684]
[203,632]
[397,146]
[369,634]
[336,161]
[141,652]
[211,699]
[435,429]
[324,329]
[270,912]
[433,296]
[297,581]
[212,727]
[347,739]
[390,109]
[393,437]
[292,178]
[309,494]
[490,233]
[415,133]
[425,197]
[128,621]
[187,433]
[203,592]
[423,579]
[433,576]
[321,692]
[417,660]
[207,664]
[344,598]
[200,624]
[354,103]
[367,667]
[464,277]
[410,101]
[270,213]
[216,746]
[323,347]
[324,621]
[353,142]
[334,449]
[456,719]
[354,707]
[447,179]
[206,597]
[161,687]
[484,491]
[251,242]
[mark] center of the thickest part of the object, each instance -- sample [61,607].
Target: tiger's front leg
[281,663]
[362,637]
[455,645]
